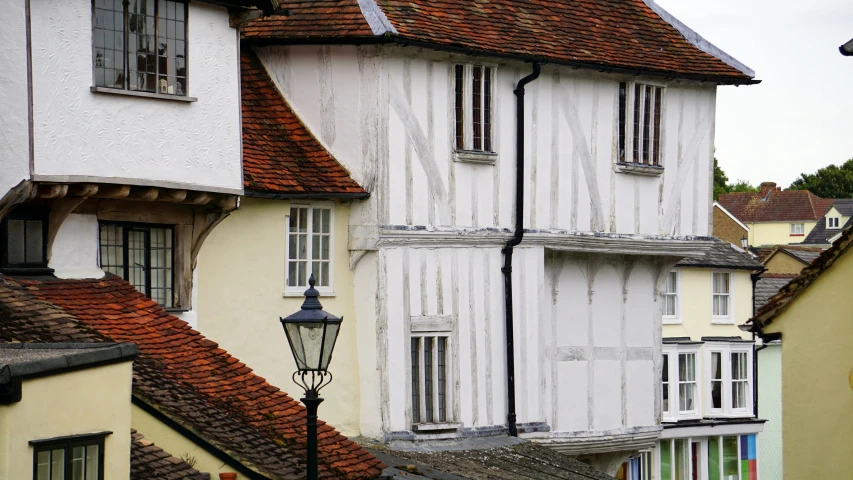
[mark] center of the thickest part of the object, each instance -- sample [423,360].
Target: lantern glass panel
[293,334]
[329,343]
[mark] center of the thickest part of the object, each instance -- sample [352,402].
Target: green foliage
[722,185]
[828,182]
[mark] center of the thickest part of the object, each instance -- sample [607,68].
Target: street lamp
[311,333]
[743,242]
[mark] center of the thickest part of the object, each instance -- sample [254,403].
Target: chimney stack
[767,187]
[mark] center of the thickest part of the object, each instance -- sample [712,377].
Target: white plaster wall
[75,248]
[80,133]
[14,122]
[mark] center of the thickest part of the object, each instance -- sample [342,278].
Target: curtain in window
[721,294]
[687,382]
[739,380]
[716,380]
[670,297]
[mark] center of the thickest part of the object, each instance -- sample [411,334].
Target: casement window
[708,458]
[670,298]
[729,371]
[430,379]
[679,381]
[140,45]
[142,254]
[640,108]
[473,107]
[798,229]
[309,248]
[832,222]
[23,240]
[75,458]
[721,296]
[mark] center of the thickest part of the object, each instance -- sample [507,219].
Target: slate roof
[723,255]
[29,359]
[803,254]
[180,375]
[606,35]
[280,156]
[520,461]
[768,286]
[820,235]
[148,462]
[777,206]
[787,294]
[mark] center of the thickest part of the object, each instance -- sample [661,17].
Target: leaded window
[473,117]
[140,45]
[429,378]
[142,254]
[639,136]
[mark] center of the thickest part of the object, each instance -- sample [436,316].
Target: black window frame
[68,444]
[480,79]
[146,227]
[125,67]
[24,213]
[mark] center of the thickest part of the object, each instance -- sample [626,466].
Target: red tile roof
[181,375]
[778,206]
[280,155]
[622,34]
[148,461]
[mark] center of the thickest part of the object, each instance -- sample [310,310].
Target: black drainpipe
[516,239]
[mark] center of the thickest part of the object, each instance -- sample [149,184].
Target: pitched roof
[768,286]
[820,235]
[280,156]
[148,461]
[180,375]
[607,35]
[777,206]
[723,255]
[787,294]
[803,254]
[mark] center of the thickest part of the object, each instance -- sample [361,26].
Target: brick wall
[727,229]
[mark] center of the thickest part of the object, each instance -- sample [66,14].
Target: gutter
[404,42]
[515,241]
[319,195]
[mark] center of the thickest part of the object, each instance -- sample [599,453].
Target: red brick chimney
[767,187]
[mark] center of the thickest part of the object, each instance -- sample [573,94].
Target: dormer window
[24,241]
[833,222]
[141,45]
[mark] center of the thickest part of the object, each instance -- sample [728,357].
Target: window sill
[722,321]
[798,235]
[671,321]
[133,93]
[301,293]
[431,427]
[177,310]
[471,156]
[639,169]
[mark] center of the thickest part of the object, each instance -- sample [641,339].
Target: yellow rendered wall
[776,233]
[695,298]
[241,272]
[177,445]
[783,263]
[817,362]
[72,403]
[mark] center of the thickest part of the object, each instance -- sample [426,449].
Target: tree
[828,182]
[722,185]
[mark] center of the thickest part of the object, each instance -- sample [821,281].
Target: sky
[800,117]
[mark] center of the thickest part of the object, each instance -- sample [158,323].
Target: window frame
[625,125]
[25,214]
[126,226]
[729,317]
[299,290]
[837,223]
[467,152]
[125,70]
[726,350]
[675,350]
[676,318]
[68,444]
[801,232]
[704,457]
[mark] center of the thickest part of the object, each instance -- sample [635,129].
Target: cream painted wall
[92,400]
[176,444]
[695,305]
[240,288]
[776,233]
[817,385]
[784,263]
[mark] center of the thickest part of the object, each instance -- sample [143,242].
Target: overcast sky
[800,117]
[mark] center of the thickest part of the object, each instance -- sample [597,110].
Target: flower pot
[228,476]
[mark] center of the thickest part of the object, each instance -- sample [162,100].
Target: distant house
[790,259]
[829,228]
[809,316]
[727,227]
[775,216]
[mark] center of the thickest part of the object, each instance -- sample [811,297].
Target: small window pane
[57,464]
[716,380]
[78,457]
[428,377]
[416,402]
[292,279]
[315,247]
[714,457]
[666,459]
[15,238]
[43,465]
[92,452]
[730,457]
[324,269]
[327,214]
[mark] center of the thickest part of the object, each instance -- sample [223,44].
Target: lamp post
[311,333]
[744,242]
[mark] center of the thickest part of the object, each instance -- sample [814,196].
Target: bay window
[732,457]
[729,372]
[679,380]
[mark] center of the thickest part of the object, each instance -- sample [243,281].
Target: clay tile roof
[148,461]
[778,206]
[621,34]
[180,375]
[280,155]
[788,293]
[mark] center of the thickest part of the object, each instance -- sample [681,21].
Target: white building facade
[617,189]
